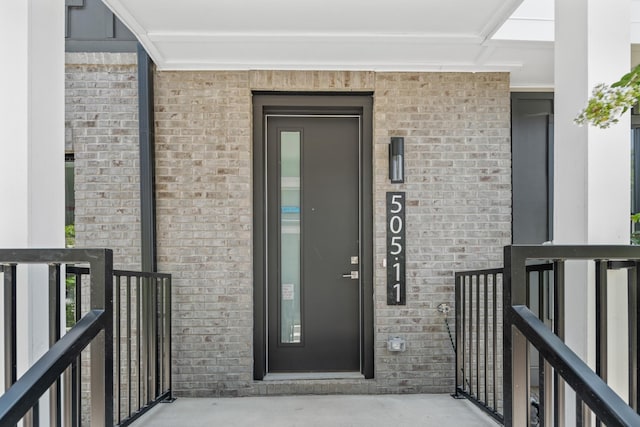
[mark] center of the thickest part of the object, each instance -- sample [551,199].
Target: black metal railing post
[129,342]
[102,346]
[458,353]
[558,328]
[117,330]
[516,354]
[633,297]
[55,393]
[10,334]
[494,340]
[168,337]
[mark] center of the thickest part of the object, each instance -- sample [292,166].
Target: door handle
[352,275]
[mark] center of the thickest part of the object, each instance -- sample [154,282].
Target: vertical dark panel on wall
[532,166]
[147,161]
[91,27]
[67,5]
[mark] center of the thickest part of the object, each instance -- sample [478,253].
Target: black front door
[313,252]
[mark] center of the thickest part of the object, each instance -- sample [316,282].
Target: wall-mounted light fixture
[396,159]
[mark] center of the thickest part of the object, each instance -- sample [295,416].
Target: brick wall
[456,129]
[101,130]
[458,183]
[101,127]
[203,183]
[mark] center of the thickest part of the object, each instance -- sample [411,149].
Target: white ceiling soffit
[379,35]
[532,21]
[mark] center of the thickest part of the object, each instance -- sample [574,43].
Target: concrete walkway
[326,411]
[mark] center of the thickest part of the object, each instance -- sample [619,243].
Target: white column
[592,166]
[32,151]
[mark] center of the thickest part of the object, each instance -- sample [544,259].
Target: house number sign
[396,285]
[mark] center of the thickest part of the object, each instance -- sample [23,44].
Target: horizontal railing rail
[26,392]
[525,333]
[602,400]
[20,400]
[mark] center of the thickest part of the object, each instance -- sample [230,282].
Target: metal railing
[142,341]
[478,304]
[477,338]
[128,368]
[559,366]
[20,401]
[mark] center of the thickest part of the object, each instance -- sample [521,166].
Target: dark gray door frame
[311,103]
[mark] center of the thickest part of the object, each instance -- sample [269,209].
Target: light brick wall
[458,188]
[101,126]
[203,183]
[456,129]
[101,129]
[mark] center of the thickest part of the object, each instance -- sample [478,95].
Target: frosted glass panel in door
[290,315]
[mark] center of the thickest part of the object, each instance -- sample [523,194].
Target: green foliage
[70,240]
[635,235]
[70,235]
[631,78]
[70,301]
[604,108]
[608,103]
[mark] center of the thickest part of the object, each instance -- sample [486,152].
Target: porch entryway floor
[408,410]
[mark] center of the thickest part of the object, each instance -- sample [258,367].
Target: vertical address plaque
[396,286]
